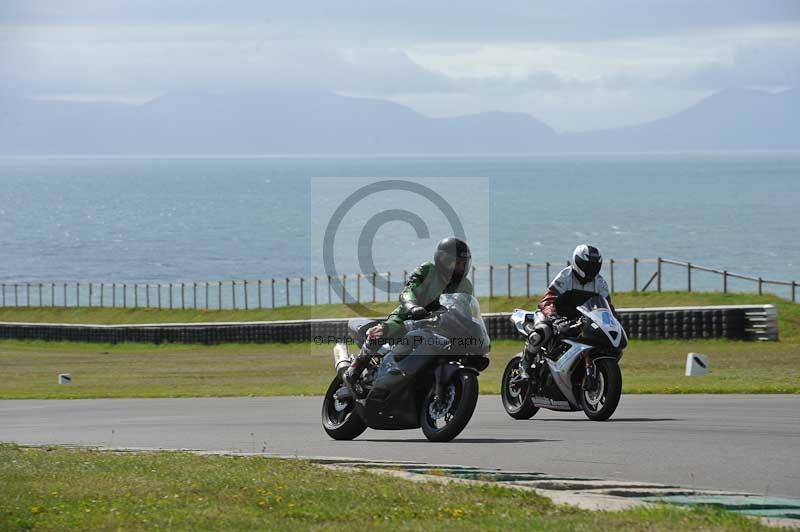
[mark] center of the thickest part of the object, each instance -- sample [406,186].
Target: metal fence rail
[493,281]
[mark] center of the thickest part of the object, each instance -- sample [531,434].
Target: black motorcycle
[427,379]
[575,368]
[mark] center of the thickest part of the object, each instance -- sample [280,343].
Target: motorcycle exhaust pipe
[341,357]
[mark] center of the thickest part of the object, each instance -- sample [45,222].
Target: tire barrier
[750,322]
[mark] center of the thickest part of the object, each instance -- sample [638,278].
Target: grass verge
[30,369]
[69,489]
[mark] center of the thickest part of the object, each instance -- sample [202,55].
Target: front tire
[600,404]
[339,418]
[442,421]
[516,396]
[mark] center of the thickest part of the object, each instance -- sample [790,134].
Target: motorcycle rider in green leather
[447,274]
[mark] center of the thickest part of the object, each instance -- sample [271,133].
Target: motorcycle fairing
[561,369]
[601,319]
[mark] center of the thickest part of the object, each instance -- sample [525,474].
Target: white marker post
[696,364]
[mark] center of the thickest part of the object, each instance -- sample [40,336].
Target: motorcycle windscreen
[567,303]
[598,310]
[463,323]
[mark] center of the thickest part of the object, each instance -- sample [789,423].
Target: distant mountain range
[324,123]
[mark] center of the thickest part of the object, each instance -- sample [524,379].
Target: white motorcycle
[575,368]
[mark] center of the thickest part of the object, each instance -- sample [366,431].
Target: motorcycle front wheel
[444,418]
[599,404]
[338,417]
[516,393]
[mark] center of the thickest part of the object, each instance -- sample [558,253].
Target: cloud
[577,64]
[95,60]
[419,20]
[760,65]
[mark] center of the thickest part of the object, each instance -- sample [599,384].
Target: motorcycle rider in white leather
[583,274]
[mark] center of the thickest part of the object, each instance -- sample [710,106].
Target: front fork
[439,389]
[590,382]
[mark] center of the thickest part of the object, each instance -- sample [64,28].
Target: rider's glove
[418,313]
[560,325]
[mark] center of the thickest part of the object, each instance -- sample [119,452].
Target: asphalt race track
[738,443]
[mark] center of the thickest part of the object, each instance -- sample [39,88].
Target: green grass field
[30,369]
[68,489]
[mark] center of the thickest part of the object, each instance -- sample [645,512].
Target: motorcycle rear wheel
[338,418]
[517,396]
[455,411]
[599,405]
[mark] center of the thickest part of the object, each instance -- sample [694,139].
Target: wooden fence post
[658,280]
[302,284]
[528,279]
[611,264]
[689,276]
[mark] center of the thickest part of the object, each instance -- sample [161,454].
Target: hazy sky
[576,65]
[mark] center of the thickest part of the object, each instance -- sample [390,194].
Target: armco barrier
[750,322]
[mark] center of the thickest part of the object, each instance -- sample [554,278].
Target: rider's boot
[525,364]
[352,375]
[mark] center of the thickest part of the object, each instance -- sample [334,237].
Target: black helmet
[453,259]
[586,263]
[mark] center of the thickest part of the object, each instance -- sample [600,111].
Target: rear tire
[464,387]
[339,418]
[600,405]
[516,397]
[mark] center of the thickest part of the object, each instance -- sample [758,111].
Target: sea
[187,219]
